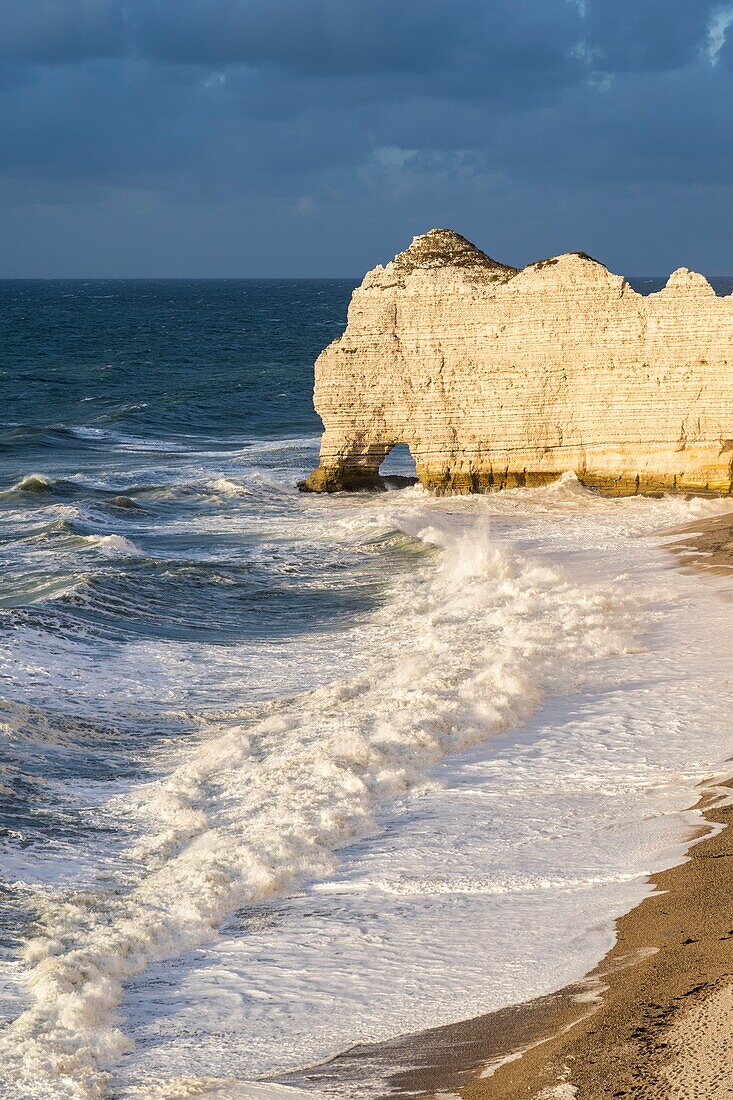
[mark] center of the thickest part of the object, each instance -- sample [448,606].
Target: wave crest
[113,546]
[33,483]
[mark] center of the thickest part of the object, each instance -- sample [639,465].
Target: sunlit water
[282,772]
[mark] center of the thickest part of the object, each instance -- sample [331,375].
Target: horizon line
[251,278]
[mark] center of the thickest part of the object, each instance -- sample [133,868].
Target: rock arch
[496,377]
[354,466]
[399,468]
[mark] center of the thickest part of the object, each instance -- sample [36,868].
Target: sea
[281,773]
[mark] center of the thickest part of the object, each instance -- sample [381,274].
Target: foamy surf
[586,802]
[228,487]
[462,652]
[210,1089]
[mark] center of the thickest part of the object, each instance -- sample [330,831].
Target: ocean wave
[174,443]
[116,438]
[65,530]
[256,483]
[272,446]
[33,483]
[460,653]
[229,488]
[252,483]
[43,485]
[113,546]
[146,434]
[568,485]
[146,440]
[121,411]
[41,589]
[17,437]
[24,723]
[122,501]
[83,432]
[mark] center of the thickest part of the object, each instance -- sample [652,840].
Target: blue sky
[315,137]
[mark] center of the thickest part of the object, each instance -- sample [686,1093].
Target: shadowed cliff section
[496,377]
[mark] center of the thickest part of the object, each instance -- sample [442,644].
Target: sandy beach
[706,545]
[664,1024]
[653,1020]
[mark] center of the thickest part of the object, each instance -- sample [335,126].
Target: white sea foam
[83,432]
[113,546]
[461,653]
[472,884]
[230,488]
[207,1088]
[270,446]
[537,841]
[552,829]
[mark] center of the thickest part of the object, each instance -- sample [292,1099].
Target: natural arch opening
[398,468]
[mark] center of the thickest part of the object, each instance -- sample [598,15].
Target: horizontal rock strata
[495,377]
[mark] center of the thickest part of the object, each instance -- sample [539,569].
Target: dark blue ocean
[212,684]
[159,565]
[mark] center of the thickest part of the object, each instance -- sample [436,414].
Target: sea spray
[465,649]
[33,483]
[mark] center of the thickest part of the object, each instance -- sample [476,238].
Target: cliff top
[445,248]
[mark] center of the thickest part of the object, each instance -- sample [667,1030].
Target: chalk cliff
[495,377]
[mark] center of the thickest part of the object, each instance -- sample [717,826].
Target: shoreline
[654,1019]
[643,1023]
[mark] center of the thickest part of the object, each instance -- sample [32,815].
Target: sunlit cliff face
[495,377]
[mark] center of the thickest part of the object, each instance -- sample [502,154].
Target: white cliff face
[496,377]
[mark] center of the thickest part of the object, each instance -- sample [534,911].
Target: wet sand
[655,1018]
[706,544]
[664,1025]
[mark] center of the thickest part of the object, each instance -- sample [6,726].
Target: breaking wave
[113,546]
[461,652]
[33,483]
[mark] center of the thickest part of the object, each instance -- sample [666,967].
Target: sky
[228,138]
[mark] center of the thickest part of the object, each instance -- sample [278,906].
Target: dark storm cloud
[339,122]
[475,41]
[315,37]
[648,35]
[61,30]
